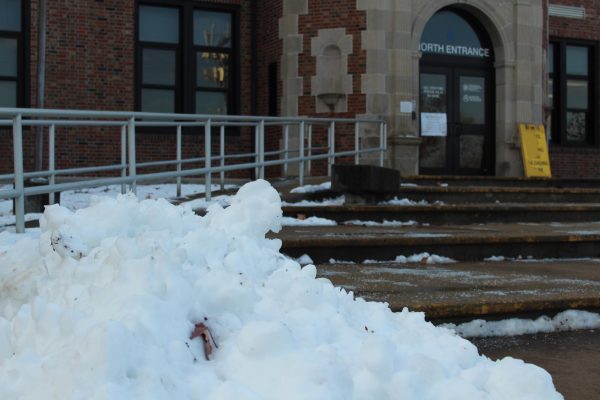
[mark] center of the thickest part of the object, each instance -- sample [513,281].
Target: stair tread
[473,288]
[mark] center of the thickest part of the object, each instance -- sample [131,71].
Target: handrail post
[18,179]
[301,154]
[51,162]
[256,150]
[356,143]
[207,160]
[131,147]
[309,166]
[222,155]
[123,157]
[330,146]
[178,154]
[286,149]
[381,142]
[261,133]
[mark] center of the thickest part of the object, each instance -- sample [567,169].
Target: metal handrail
[210,125]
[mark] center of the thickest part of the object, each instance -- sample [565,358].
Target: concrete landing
[456,290]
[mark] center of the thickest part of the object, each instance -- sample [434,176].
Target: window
[571,89]
[11,42]
[186,58]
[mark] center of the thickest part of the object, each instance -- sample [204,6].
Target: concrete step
[460,242]
[486,181]
[444,214]
[476,194]
[467,290]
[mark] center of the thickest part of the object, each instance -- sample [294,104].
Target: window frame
[22,38]
[560,77]
[186,80]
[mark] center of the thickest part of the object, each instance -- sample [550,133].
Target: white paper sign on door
[434,124]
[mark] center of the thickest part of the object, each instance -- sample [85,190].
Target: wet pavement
[451,290]
[572,358]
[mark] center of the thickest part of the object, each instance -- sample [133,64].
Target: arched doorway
[457,97]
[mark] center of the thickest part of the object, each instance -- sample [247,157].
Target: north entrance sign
[455,50]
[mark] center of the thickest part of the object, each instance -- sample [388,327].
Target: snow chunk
[312,188]
[304,259]
[254,210]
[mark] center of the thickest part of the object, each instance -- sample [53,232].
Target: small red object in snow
[202,331]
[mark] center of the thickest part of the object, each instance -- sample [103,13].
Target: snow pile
[76,199]
[223,200]
[110,315]
[312,188]
[569,320]
[81,198]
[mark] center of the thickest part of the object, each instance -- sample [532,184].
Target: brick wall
[91,65]
[270,48]
[576,161]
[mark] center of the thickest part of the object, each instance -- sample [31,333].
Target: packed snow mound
[112,319]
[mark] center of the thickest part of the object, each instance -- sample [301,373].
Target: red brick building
[453,79]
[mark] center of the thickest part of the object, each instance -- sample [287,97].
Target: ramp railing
[295,135]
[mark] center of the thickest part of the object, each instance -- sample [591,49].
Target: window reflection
[8,94]
[577,94]
[472,100]
[211,103]
[10,42]
[433,93]
[577,60]
[8,57]
[159,24]
[449,33]
[213,69]
[158,67]
[432,152]
[471,151]
[157,100]
[576,127]
[212,29]
[10,15]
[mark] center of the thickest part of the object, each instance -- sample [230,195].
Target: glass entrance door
[456,121]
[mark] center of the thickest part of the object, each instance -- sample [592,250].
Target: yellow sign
[534,150]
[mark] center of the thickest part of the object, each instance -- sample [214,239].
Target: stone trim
[332,84]
[293,43]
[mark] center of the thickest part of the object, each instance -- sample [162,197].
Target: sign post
[534,150]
